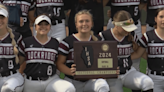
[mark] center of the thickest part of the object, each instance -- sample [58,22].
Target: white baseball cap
[41,18]
[127,25]
[3,12]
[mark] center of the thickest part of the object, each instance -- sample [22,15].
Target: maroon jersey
[7,57]
[66,49]
[155,46]
[124,49]
[53,8]
[130,6]
[40,57]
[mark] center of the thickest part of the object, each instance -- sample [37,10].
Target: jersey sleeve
[101,36]
[63,48]
[32,7]
[143,41]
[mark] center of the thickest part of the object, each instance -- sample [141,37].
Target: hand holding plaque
[95,59]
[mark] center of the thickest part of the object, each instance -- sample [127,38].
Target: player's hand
[21,21]
[118,71]
[73,69]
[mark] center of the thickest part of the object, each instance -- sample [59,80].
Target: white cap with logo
[41,18]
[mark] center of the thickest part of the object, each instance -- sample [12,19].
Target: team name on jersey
[49,1]
[39,54]
[124,50]
[155,49]
[6,49]
[155,4]
[25,7]
[125,2]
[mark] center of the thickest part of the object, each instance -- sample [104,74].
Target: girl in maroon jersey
[153,41]
[121,33]
[40,53]
[10,79]
[65,62]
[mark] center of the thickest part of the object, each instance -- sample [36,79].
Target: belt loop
[127,70]
[30,78]
[11,72]
[56,22]
[38,79]
[155,72]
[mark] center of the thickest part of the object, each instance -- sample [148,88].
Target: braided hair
[13,42]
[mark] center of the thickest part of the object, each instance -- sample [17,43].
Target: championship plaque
[95,59]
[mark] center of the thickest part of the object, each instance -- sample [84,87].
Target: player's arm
[143,5]
[105,2]
[144,55]
[22,64]
[138,53]
[62,67]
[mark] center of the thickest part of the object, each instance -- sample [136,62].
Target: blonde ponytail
[13,42]
[93,36]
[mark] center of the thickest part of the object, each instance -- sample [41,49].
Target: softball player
[40,54]
[55,10]
[153,41]
[10,79]
[130,6]
[128,77]
[65,63]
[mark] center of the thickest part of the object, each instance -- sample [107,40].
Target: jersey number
[57,11]
[49,70]
[125,61]
[10,64]
[136,11]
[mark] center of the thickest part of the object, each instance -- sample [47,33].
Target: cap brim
[42,18]
[130,28]
[3,12]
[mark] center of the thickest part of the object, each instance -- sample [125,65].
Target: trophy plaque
[95,59]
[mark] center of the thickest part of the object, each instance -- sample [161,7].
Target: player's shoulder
[149,33]
[106,32]
[69,38]
[29,40]
[54,41]
[17,35]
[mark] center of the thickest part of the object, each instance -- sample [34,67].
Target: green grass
[143,65]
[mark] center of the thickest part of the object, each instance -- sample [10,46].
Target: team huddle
[30,60]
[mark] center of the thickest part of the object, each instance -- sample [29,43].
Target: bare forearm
[138,53]
[64,69]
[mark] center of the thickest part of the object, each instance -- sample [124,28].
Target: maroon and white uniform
[155,50]
[128,73]
[10,79]
[93,85]
[130,6]
[40,66]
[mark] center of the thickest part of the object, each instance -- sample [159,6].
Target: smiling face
[84,23]
[159,19]
[3,22]
[43,28]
